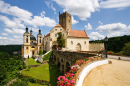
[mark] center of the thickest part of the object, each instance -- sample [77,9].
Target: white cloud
[119,4]
[96,36]
[4,34]
[14,31]
[50,5]
[81,8]
[14,10]
[115,29]
[16,23]
[100,22]
[43,13]
[16,36]
[88,27]
[5,41]
[74,21]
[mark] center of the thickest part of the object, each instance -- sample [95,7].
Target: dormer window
[55,29]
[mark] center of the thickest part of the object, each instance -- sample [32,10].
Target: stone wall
[66,59]
[96,46]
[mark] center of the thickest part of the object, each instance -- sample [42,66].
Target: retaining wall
[85,69]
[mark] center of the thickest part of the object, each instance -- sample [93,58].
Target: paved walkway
[117,57]
[115,74]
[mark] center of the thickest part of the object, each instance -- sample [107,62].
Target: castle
[74,39]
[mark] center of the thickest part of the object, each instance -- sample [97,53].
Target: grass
[41,72]
[49,72]
[32,61]
[35,84]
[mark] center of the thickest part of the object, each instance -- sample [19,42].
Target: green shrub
[40,52]
[126,49]
[47,56]
[19,82]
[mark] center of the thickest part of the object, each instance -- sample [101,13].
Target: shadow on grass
[54,73]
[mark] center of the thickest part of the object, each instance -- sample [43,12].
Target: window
[63,34]
[67,29]
[71,42]
[32,41]
[40,40]
[27,36]
[40,37]
[60,29]
[55,35]
[40,48]
[47,38]
[84,42]
[55,29]
[26,40]
[27,48]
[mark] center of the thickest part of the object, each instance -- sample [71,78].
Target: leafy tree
[126,49]
[60,40]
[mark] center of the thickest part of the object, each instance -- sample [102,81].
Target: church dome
[32,37]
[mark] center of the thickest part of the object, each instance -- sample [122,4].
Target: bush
[40,52]
[19,82]
[126,49]
[47,56]
[44,51]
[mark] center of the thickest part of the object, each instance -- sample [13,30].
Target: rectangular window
[63,34]
[84,42]
[60,29]
[55,35]
[55,29]
[27,48]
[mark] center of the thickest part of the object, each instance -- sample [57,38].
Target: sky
[99,18]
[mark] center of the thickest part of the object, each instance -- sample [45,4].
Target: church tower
[65,21]
[26,40]
[39,41]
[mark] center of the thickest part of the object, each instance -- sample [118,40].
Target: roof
[77,33]
[47,35]
[58,25]
[33,44]
[32,37]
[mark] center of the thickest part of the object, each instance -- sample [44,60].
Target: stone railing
[85,69]
[82,66]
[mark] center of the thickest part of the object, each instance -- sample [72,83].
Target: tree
[126,49]
[60,40]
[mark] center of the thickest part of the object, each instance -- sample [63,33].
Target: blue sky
[99,18]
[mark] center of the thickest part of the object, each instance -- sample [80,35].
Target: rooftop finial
[26,28]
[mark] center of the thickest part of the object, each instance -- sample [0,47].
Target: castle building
[31,46]
[74,39]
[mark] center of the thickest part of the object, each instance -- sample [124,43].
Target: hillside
[10,48]
[115,44]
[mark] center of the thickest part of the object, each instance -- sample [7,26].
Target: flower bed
[69,79]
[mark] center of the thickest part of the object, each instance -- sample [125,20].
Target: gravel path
[115,74]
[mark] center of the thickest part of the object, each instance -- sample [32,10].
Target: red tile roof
[47,35]
[58,25]
[77,33]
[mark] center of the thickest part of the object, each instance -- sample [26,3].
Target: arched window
[26,40]
[40,40]
[71,42]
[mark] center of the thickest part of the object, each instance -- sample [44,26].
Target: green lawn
[34,84]
[48,72]
[32,61]
[41,72]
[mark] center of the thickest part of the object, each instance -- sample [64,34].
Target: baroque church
[31,46]
[74,39]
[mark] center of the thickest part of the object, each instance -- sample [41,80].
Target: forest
[10,48]
[9,67]
[115,44]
